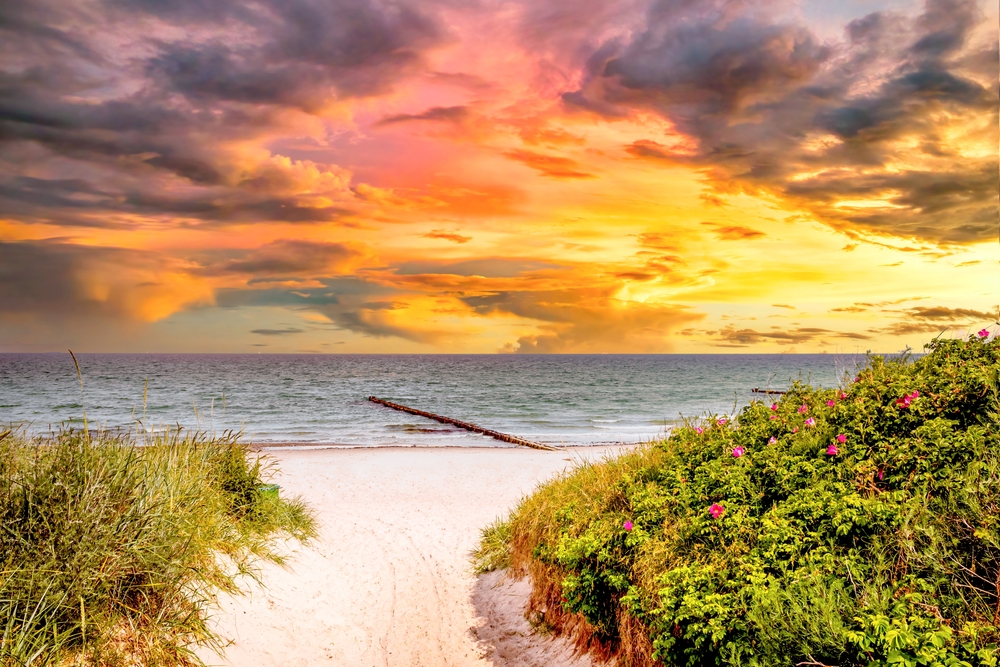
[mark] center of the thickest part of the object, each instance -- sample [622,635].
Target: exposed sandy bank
[388,580]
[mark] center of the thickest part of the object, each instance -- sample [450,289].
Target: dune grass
[112,552]
[852,527]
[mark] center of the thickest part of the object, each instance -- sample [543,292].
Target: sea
[314,400]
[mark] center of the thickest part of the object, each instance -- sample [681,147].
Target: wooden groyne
[758,390]
[512,439]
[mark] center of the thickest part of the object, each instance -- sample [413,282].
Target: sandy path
[388,581]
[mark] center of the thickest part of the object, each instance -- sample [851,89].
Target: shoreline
[310,446]
[388,580]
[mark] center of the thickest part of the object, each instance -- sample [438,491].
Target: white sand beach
[388,580]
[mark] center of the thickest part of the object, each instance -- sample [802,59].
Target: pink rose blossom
[772,441]
[738,452]
[830,403]
[795,429]
[857,379]
[842,395]
[810,422]
[699,430]
[881,474]
[841,438]
[722,421]
[627,525]
[983,333]
[774,406]
[773,417]
[716,510]
[832,450]
[803,409]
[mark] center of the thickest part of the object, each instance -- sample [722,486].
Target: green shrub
[855,527]
[110,551]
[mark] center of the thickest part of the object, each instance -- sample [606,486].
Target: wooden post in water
[512,439]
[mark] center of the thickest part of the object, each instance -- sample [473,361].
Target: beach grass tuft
[112,551]
[857,526]
[493,552]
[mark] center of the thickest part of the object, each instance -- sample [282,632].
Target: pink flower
[699,430]
[716,510]
[803,409]
[830,403]
[905,401]
[881,474]
[832,450]
[983,333]
[774,406]
[795,430]
[722,421]
[738,452]
[810,422]
[772,441]
[841,438]
[627,525]
[773,417]
[842,395]
[857,379]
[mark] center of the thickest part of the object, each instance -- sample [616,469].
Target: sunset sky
[477,176]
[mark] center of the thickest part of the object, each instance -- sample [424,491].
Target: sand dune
[388,580]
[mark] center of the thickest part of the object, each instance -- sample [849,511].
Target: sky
[480,176]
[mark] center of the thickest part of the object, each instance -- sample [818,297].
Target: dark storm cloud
[440,114]
[584,320]
[285,257]
[81,203]
[925,313]
[302,52]
[944,313]
[59,280]
[44,29]
[775,110]
[369,321]
[277,332]
[920,319]
[487,267]
[90,127]
[334,292]
[349,303]
[34,274]
[730,336]
[909,328]
[309,298]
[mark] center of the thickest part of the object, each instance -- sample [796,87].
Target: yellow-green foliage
[110,552]
[855,528]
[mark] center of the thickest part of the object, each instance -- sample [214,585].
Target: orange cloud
[447,236]
[734,232]
[549,165]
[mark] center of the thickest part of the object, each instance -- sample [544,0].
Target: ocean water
[322,399]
